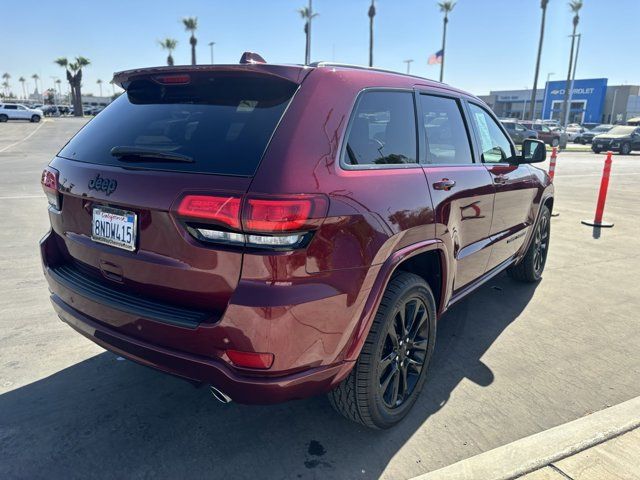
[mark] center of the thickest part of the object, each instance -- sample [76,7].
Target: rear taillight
[49,181]
[263,222]
[282,215]
[223,209]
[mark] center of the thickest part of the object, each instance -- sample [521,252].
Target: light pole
[544,99]
[408,62]
[211,44]
[573,78]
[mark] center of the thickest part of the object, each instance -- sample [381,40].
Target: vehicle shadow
[104,418]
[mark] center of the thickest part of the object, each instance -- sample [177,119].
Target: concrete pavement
[511,360]
[602,446]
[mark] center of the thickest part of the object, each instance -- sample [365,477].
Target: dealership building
[592,101]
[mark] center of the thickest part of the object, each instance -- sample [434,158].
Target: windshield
[221,123]
[622,130]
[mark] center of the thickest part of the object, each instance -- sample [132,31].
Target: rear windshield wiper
[135,154]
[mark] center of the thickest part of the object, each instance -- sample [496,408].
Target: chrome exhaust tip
[219,395]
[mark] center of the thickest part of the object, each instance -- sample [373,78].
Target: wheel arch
[427,259]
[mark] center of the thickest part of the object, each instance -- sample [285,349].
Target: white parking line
[19,197]
[25,138]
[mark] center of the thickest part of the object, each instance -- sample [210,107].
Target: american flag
[436,58]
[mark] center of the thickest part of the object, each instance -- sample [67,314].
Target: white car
[16,111]
[574,131]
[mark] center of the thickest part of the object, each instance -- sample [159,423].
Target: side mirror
[533,151]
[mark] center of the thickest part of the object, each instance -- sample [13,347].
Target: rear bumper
[241,388]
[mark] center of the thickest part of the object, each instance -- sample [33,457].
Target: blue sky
[491,44]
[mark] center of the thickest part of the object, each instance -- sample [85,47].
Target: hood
[609,136]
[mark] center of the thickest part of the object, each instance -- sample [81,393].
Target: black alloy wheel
[403,356]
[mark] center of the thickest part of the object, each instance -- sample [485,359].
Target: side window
[446,136]
[20,107]
[519,128]
[383,130]
[494,144]
[10,107]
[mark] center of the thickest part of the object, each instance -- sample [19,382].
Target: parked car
[17,111]
[621,138]
[280,231]
[587,137]
[544,133]
[550,123]
[518,132]
[574,131]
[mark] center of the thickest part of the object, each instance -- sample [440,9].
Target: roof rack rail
[373,69]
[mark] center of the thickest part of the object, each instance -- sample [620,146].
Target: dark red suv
[278,232]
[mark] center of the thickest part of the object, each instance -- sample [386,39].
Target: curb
[536,451]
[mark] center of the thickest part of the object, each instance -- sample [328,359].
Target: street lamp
[408,62]
[211,44]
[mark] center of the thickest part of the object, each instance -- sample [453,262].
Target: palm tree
[575,6]
[36,77]
[445,7]
[64,63]
[99,82]
[372,13]
[169,44]
[24,90]
[191,25]
[543,6]
[307,15]
[74,77]
[5,84]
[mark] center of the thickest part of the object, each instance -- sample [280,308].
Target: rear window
[220,123]
[382,130]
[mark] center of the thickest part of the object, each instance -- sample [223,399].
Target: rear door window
[219,124]
[382,130]
[447,141]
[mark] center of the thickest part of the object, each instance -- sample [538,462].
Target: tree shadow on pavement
[104,418]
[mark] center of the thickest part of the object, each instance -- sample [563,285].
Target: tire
[3,118]
[596,150]
[532,265]
[625,149]
[555,142]
[582,141]
[35,118]
[362,396]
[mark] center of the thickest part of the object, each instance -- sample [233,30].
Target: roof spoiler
[250,63]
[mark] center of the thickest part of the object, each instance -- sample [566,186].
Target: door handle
[500,179]
[444,184]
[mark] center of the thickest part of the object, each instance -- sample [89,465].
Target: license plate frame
[120,218]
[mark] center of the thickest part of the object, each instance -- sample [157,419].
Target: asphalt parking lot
[511,360]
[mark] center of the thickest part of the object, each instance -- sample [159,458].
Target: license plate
[114,227]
